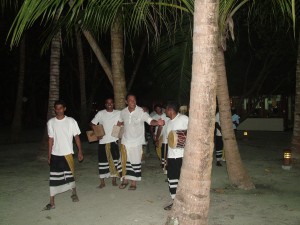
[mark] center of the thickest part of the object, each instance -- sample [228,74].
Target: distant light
[245,133]
[287,159]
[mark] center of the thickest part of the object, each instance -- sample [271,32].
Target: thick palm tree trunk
[117,62]
[192,199]
[296,131]
[17,119]
[237,174]
[82,75]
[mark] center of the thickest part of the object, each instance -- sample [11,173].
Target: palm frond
[173,66]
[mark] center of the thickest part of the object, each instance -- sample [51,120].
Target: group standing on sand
[115,159]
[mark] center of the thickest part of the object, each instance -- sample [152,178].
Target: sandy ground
[24,189]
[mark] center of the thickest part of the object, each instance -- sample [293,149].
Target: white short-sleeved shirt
[62,131]
[235,118]
[108,120]
[180,122]
[134,129]
[163,132]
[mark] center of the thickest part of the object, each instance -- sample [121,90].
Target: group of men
[120,160]
[115,159]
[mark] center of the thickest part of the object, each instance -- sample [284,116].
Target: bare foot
[102,185]
[114,181]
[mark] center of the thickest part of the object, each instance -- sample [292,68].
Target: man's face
[131,102]
[109,104]
[59,110]
[158,110]
[168,111]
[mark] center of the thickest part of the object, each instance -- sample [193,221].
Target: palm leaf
[173,66]
[97,16]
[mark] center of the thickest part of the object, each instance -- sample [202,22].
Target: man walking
[133,118]
[61,130]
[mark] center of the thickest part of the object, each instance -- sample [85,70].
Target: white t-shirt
[134,129]
[180,122]
[62,131]
[163,131]
[108,120]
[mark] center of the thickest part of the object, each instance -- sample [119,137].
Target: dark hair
[157,105]
[130,94]
[173,105]
[108,99]
[60,102]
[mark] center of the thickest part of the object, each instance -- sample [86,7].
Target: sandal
[75,198]
[168,207]
[123,185]
[49,206]
[132,188]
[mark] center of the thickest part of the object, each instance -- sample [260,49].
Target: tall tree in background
[117,61]
[237,174]
[296,131]
[82,76]
[16,126]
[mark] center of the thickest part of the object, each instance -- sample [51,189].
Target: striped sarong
[132,170]
[61,174]
[108,157]
[174,167]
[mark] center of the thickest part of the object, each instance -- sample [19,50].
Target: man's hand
[49,159]
[161,122]
[80,156]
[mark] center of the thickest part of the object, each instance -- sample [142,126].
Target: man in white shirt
[133,118]
[108,150]
[61,130]
[159,136]
[175,155]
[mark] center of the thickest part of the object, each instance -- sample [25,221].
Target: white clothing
[218,132]
[107,119]
[153,113]
[62,131]
[134,129]
[180,122]
[235,118]
[163,131]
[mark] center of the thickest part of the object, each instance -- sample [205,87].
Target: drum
[176,138]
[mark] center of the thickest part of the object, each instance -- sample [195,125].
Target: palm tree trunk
[138,63]
[54,74]
[17,120]
[236,172]
[296,130]
[192,199]
[117,59]
[53,89]
[82,75]
[99,54]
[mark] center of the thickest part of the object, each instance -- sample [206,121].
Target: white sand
[24,190]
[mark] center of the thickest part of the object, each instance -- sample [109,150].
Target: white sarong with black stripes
[133,163]
[61,176]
